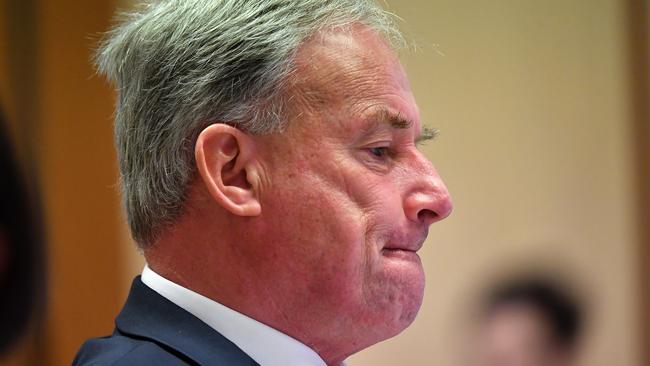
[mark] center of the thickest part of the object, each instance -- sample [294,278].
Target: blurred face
[517,335]
[349,198]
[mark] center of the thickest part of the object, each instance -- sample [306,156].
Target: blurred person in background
[20,250]
[530,321]
[271,177]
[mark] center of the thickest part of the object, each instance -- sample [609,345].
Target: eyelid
[385,145]
[382,143]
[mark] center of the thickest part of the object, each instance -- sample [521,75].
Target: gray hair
[180,65]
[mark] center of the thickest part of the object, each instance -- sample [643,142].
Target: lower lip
[401,254]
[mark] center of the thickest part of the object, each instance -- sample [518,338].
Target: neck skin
[230,264]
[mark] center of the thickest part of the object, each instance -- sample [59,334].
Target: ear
[225,160]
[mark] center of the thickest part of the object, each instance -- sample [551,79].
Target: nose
[429,201]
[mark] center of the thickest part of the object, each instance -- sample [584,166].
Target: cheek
[333,227]
[393,288]
[315,222]
[380,202]
[322,235]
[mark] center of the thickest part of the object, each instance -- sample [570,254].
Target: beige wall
[532,101]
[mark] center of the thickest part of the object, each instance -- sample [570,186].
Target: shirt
[266,345]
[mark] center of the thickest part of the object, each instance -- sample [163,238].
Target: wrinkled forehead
[342,65]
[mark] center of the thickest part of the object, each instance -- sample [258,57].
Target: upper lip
[408,242]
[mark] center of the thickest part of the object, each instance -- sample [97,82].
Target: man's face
[348,197]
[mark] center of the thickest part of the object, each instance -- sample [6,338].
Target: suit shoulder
[118,350]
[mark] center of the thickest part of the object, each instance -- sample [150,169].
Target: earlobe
[224,159]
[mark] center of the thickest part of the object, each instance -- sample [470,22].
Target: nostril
[427,207]
[427,216]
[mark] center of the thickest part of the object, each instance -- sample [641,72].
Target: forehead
[353,72]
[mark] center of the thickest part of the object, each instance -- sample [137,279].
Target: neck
[233,267]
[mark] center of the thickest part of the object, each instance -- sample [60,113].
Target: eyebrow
[398,121]
[428,134]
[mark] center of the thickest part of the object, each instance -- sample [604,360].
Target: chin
[400,321]
[410,300]
[398,305]
[409,313]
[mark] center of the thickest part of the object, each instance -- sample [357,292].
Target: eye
[380,151]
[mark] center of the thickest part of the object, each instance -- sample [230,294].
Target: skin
[314,230]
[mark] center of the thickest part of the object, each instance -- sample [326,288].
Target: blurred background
[543,108]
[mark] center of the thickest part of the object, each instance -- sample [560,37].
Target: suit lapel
[149,315]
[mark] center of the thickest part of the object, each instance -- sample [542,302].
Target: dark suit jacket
[151,330]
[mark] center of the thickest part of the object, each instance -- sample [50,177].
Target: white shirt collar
[265,345]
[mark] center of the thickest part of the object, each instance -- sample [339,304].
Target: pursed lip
[407,243]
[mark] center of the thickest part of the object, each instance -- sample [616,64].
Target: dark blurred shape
[557,308]
[21,267]
[529,321]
